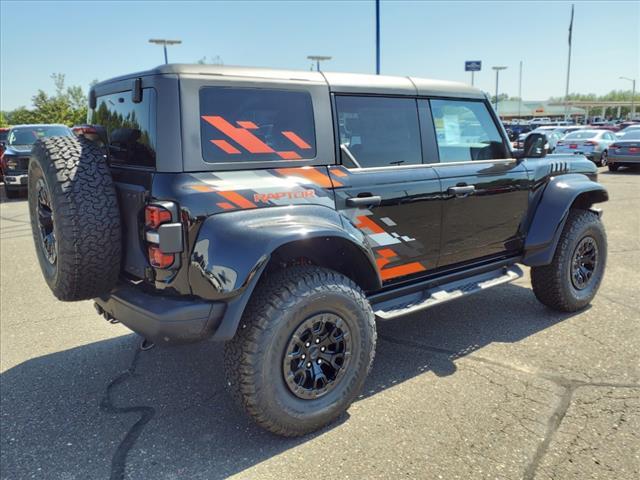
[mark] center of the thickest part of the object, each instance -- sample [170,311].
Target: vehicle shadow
[109,410]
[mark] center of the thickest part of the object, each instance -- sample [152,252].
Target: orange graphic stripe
[312,174]
[401,270]
[226,146]
[300,143]
[366,222]
[387,253]
[237,199]
[225,206]
[289,155]
[202,188]
[240,135]
[338,172]
[247,124]
[381,262]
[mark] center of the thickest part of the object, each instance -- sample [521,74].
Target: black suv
[17,149]
[283,211]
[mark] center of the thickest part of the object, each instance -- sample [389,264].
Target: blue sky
[97,40]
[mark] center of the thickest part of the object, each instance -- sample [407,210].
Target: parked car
[625,151]
[629,128]
[283,211]
[514,130]
[594,144]
[15,160]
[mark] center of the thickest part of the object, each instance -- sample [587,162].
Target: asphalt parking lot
[493,386]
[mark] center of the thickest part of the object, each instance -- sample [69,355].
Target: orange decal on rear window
[241,135]
[248,125]
[226,146]
[300,143]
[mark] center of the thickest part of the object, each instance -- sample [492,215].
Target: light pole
[318,59]
[633,95]
[377,37]
[164,42]
[497,69]
[520,91]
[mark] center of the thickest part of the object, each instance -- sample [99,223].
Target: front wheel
[303,350]
[572,279]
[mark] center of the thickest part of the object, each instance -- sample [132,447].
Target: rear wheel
[613,167]
[572,279]
[74,217]
[303,350]
[604,159]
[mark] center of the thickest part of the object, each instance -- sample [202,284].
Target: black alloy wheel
[46,222]
[584,263]
[317,356]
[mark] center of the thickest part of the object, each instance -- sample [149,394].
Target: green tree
[68,106]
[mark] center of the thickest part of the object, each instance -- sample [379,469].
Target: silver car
[593,144]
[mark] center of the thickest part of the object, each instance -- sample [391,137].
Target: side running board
[427,298]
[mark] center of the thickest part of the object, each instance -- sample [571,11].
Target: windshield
[581,135]
[29,135]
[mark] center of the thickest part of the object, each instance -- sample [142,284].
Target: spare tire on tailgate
[74,217]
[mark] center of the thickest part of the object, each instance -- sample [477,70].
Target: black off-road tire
[254,357]
[552,284]
[84,213]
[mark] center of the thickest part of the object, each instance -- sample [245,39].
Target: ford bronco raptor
[282,212]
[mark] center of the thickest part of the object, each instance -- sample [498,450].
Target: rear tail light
[154,216]
[163,233]
[159,259]
[593,144]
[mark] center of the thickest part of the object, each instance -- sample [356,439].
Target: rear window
[581,135]
[246,124]
[129,127]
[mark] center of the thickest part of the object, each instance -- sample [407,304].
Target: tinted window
[466,131]
[246,124]
[129,127]
[632,135]
[29,135]
[378,131]
[581,135]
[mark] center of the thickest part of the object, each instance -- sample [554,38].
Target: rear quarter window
[129,128]
[251,124]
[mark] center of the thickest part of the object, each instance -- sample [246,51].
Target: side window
[256,124]
[466,131]
[129,128]
[378,131]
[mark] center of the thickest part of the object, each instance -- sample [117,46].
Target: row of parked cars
[602,146]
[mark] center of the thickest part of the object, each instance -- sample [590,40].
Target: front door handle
[462,191]
[370,201]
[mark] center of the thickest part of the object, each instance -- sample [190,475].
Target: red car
[4,133]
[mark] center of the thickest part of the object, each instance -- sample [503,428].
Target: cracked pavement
[491,386]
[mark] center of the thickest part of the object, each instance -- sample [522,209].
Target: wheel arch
[562,194]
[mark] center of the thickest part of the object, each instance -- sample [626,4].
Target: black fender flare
[559,196]
[232,250]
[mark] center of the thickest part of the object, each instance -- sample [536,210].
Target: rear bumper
[162,319]
[624,159]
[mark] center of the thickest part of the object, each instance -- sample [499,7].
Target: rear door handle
[462,191]
[370,201]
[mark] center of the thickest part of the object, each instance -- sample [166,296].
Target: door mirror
[534,146]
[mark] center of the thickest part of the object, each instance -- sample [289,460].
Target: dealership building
[510,109]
